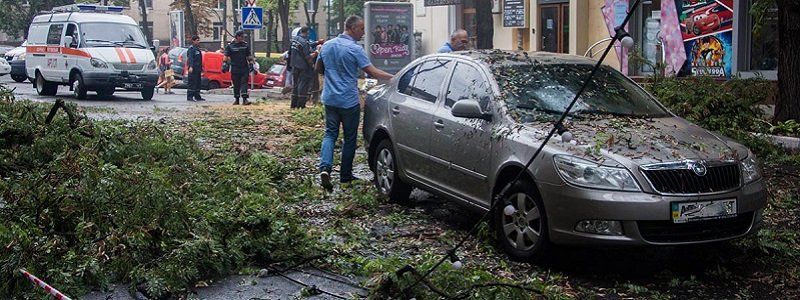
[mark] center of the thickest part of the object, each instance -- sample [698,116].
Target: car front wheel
[44,87]
[387,180]
[521,223]
[147,93]
[78,87]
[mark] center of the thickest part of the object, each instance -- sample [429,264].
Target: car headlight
[20,57]
[589,174]
[750,171]
[98,63]
[151,65]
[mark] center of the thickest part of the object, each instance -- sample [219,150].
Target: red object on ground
[47,288]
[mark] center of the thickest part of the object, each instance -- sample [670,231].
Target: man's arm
[377,73]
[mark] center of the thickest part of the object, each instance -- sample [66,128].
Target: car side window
[468,83]
[428,79]
[72,31]
[37,34]
[54,34]
[404,85]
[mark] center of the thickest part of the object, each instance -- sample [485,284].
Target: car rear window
[276,69]
[534,91]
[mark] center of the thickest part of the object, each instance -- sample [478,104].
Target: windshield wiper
[104,41]
[132,43]
[544,110]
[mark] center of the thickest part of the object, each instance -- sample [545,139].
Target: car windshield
[534,92]
[112,35]
[276,69]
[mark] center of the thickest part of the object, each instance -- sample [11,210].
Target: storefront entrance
[554,24]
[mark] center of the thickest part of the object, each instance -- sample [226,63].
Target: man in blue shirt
[458,42]
[341,59]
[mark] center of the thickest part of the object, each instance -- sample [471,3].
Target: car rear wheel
[44,87]
[213,85]
[19,78]
[522,231]
[147,93]
[387,180]
[78,88]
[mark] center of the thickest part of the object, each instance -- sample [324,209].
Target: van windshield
[112,35]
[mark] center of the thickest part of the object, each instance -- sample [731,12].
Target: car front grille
[683,180]
[669,232]
[129,67]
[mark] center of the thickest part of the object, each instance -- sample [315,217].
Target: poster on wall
[707,29]
[176,31]
[389,34]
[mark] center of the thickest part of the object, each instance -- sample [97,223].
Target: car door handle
[396,110]
[438,124]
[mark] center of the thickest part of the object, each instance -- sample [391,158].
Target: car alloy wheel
[387,180]
[78,89]
[523,227]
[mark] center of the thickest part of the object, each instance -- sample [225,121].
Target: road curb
[259,93]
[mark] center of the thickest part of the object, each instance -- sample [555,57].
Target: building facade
[221,33]
[573,26]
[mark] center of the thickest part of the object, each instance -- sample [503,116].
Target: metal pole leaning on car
[619,35]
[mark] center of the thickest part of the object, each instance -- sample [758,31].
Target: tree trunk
[483,15]
[147,31]
[191,24]
[788,100]
[269,32]
[283,11]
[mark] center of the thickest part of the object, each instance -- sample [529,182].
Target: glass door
[554,27]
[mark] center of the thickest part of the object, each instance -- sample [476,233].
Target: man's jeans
[349,118]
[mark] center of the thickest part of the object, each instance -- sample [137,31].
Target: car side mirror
[68,41]
[470,109]
[156,44]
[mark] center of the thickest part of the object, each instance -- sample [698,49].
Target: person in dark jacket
[302,60]
[240,62]
[194,61]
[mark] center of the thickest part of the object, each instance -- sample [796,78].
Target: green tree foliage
[16,15]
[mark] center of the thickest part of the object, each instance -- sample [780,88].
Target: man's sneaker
[236,102]
[191,100]
[325,179]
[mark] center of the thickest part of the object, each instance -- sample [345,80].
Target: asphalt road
[126,104]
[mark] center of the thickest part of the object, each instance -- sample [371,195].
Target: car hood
[121,55]
[633,141]
[16,52]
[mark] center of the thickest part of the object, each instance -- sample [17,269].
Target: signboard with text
[442,2]
[514,14]
[389,37]
[707,28]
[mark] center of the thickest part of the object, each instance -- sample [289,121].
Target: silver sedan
[627,171]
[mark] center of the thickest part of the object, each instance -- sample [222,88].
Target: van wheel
[44,87]
[213,85]
[19,78]
[78,88]
[523,234]
[387,178]
[147,93]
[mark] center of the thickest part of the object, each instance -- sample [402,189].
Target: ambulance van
[89,48]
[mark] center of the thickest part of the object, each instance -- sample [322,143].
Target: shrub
[84,205]
[265,63]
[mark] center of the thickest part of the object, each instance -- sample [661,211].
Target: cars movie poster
[389,36]
[707,28]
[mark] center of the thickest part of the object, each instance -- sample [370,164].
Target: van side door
[52,56]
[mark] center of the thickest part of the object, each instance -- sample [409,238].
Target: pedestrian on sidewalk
[166,75]
[340,60]
[194,60]
[301,58]
[459,40]
[240,62]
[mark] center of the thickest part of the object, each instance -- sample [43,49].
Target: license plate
[270,82]
[683,212]
[132,85]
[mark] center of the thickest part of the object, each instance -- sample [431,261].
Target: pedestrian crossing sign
[252,18]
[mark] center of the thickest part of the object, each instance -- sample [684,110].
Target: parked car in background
[16,58]
[215,78]
[463,125]
[178,58]
[4,49]
[5,68]
[276,76]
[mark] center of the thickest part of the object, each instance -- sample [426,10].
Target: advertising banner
[389,37]
[177,36]
[707,29]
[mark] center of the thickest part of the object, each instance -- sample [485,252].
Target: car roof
[497,58]
[83,17]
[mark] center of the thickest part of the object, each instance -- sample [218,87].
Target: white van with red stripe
[89,48]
